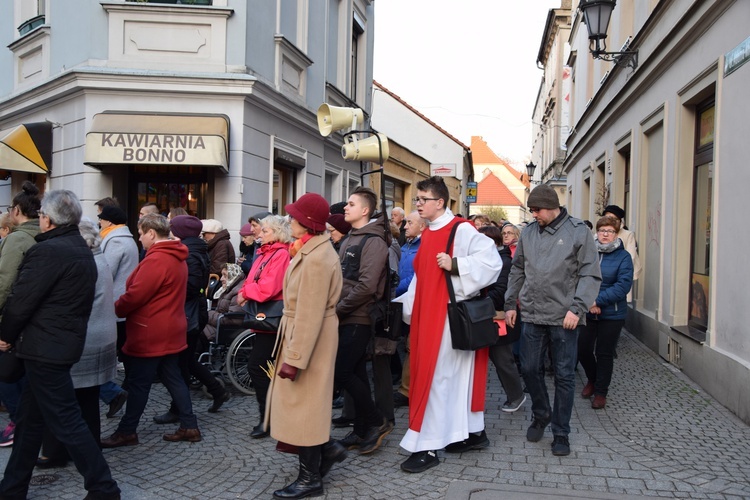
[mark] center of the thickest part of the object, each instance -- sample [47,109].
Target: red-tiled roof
[482,154]
[492,191]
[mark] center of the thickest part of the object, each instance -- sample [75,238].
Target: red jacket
[274,258]
[154,302]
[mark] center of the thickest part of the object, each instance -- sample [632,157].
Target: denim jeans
[535,340]
[141,374]
[596,351]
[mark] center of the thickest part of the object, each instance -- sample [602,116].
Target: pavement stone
[660,436]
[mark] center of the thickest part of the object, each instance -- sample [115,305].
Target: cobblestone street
[659,436]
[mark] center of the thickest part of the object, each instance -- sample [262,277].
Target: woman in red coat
[264,283]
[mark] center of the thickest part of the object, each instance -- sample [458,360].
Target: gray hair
[279,226]
[157,222]
[398,210]
[90,233]
[62,207]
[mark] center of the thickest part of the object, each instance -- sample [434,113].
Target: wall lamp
[530,168]
[596,15]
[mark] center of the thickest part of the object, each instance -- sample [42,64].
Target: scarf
[609,247]
[298,244]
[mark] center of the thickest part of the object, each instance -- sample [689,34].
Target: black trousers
[49,401]
[189,366]
[351,375]
[88,400]
[596,351]
[261,354]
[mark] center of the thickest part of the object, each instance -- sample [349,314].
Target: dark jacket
[47,312]
[221,251]
[363,283]
[196,306]
[496,292]
[617,278]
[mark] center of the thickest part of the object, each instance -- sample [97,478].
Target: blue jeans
[108,391]
[535,340]
[141,373]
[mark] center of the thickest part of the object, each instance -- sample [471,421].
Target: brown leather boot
[598,402]
[192,435]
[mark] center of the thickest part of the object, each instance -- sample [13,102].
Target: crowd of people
[342,272]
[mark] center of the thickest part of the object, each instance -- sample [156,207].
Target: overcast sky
[469,66]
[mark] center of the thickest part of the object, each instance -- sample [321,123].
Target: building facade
[419,148]
[205,105]
[666,141]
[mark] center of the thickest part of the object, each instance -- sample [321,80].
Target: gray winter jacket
[554,271]
[122,256]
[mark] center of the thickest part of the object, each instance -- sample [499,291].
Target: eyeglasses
[508,233]
[606,231]
[421,200]
[534,210]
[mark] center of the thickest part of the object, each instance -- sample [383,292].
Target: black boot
[309,482]
[331,453]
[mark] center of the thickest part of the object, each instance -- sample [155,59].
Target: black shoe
[351,441]
[420,461]
[342,421]
[50,463]
[473,442]
[560,446]
[535,431]
[400,400]
[332,452]
[218,401]
[259,432]
[167,418]
[117,404]
[374,437]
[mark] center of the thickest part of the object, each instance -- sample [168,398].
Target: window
[701,225]
[358,29]
[394,194]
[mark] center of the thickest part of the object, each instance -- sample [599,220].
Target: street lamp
[596,15]
[530,168]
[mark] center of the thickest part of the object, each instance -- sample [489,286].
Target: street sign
[471,192]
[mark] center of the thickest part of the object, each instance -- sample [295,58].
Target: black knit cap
[614,210]
[115,215]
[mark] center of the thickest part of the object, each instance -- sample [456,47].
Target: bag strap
[263,265]
[448,249]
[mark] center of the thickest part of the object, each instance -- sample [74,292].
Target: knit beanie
[543,196]
[185,226]
[339,224]
[115,215]
[211,226]
[246,230]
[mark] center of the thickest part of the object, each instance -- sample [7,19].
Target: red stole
[428,319]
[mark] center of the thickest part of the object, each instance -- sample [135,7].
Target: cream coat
[300,411]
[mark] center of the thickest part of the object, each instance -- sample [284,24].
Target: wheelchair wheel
[237,360]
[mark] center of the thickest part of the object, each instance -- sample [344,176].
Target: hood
[173,248]
[220,236]
[30,227]
[375,226]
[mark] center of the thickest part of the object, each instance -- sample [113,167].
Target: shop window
[701,224]
[394,194]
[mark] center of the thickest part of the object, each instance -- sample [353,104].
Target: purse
[263,316]
[11,367]
[471,321]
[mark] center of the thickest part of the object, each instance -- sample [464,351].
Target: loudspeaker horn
[366,149]
[333,118]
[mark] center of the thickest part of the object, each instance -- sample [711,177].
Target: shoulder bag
[263,316]
[471,321]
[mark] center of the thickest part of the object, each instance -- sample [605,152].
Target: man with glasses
[447,386]
[556,276]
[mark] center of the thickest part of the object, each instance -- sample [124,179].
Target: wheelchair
[229,352]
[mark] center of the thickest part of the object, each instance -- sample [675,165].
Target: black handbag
[263,316]
[11,367]
[471,321]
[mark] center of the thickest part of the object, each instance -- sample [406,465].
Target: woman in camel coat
[299,401]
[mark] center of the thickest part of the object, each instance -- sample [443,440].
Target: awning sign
[26,148]
[200,140]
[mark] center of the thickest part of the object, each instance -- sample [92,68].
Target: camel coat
[300,411]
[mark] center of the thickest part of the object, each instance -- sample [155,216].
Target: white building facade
[205,105]
[667,142]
